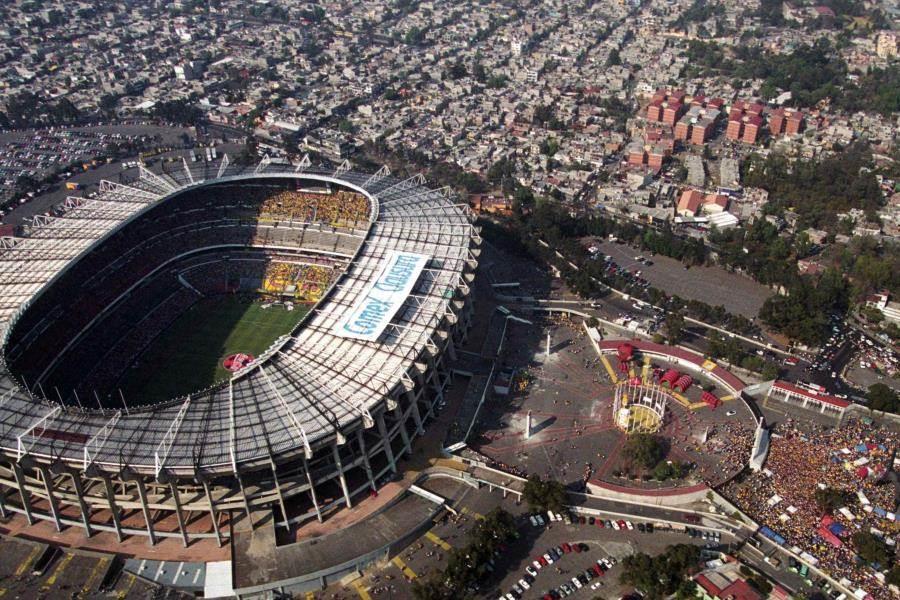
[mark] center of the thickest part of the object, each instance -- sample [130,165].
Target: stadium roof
[305,388]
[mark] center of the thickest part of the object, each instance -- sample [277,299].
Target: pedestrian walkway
[59,570]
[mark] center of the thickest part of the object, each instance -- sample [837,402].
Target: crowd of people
[728,443]
[339,208]
[306,282]
[807,458]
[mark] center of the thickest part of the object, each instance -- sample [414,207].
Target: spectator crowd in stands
[338,209]
[117,272]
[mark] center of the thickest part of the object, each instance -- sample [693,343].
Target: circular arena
[358,291]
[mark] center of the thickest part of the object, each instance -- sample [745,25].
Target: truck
[73,185]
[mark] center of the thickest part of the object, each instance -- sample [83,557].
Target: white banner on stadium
[381,300]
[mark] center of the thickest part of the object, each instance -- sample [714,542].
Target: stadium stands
[315,422]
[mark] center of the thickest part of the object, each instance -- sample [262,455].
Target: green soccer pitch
[188,355]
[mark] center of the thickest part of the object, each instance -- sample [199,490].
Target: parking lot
[713,285]
[23,574]
[577,546]
[88,141]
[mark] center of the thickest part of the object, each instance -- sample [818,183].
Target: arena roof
[306,388]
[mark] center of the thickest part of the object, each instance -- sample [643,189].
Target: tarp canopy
[626,351]
[829,537]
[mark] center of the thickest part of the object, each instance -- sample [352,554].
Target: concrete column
[365,457]
[85,512]
[23,492]
[113,508]
[388,451]
[404,435]
[212,511]
[51,497]
[145,508]
[176,497]
[417,416]
[341,478]
[281,501]
[312,490]
[244,496]
[451,349]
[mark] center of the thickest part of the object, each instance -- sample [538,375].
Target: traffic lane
[712,285]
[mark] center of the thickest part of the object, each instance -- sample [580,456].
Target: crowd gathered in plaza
[803,459]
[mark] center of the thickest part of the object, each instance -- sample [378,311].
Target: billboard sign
[384,296]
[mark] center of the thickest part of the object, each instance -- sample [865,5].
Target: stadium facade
[317,421]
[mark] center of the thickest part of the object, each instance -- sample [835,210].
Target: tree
[662,575]
[467,566]
[674,327]
[613,59]
[549,146]
[645,449]
[542,495]
[883,398]
[248,154]
[872,548]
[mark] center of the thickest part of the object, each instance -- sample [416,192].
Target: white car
[530,570]
[576,583]
[534,522]
[730,413]
[629,525]
[537,565]
[549,559]
[524,584]
[615,525]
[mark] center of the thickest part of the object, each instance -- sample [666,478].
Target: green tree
[674,327]
[544,495]
[872,548]
[662,575]
[883,398]
[645,449]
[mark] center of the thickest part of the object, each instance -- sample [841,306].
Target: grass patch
[188,355]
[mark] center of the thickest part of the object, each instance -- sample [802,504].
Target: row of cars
[539,520]
[554,555]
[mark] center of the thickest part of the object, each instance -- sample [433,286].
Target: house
[693,201]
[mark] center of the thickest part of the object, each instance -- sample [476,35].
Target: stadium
[221,339]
